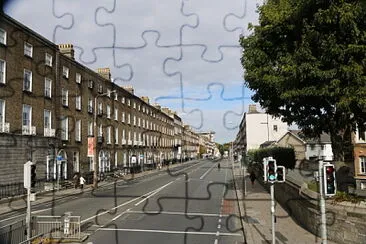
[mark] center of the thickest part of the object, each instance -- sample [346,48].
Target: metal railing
[13,233]
[58,227]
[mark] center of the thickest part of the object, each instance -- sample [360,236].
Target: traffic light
[271,170]
[33,175]
[265,162]
[330,186]
[281,174]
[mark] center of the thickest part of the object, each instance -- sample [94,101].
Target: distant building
[360,158]
[256,128]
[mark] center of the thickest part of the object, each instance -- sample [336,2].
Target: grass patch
[313,186]
[345,197]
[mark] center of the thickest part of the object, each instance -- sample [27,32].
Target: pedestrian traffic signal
[281,174]
[271,170]
[33,175]
[330,186]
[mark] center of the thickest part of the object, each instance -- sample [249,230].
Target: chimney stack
[253,108]
[67,50]
[145,99]
[105,73]
[129,89]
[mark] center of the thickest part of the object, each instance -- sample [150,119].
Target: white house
[256,128]
[320,148]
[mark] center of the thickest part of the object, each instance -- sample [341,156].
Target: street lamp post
[95,165]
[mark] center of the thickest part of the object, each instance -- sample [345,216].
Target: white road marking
[216,241]
[217,233]
[171,232]
[219,220]
[203,176]
[121,205]
[119,215]
[176,213]
[219,226]
[153,193]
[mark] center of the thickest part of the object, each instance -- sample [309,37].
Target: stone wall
[346,222]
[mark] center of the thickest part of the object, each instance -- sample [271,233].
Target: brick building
[67,118]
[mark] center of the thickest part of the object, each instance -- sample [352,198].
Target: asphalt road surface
[194,204]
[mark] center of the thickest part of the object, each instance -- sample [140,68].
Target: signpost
[27,185]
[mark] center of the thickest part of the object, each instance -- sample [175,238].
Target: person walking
[76,180]
[82,182]
[252,177]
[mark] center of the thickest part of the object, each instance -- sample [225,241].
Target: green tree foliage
[306,62]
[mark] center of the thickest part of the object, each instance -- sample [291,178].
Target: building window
[128,102]
[78,78]
[65,97]
[64,128]
[129,118]
[108,92]
[65,72]
[27,83]
[28,49]
[116,114]
[47,87]
[108,111]
[134,120]
[75,158]
[123,117]
[2,115]
[90,128]
[100,108]
[78,130]
[27,119]
[2,36]
[47,119]
[48,59]
[275,128]
[363,165]
[90,105]
[78,102]
[123,100]
[361,133]
[123,134]
[134,105]
[115,96]
[108,135]
[116,135]
[100,131]
[139,121]
[2,71]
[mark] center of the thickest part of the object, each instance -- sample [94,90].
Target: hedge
[284,156]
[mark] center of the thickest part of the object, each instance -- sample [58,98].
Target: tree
[306,62]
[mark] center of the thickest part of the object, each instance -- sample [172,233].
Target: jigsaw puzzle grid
[172,46]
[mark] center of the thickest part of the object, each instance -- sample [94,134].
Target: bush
[345,197]
[284,156]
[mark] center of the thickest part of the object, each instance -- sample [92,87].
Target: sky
[182,54]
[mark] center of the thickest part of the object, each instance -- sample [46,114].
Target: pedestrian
[252,177]
[76,180]
[82,182]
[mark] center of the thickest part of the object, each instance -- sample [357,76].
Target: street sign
[59,158]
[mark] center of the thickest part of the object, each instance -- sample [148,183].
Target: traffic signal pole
[273,214]
[323,223]
[28,217]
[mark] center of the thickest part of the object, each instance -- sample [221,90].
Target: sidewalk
[256,216]
[19,203]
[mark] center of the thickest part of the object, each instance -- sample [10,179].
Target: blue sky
[180,53]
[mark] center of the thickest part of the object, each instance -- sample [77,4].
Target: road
[195,204]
